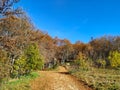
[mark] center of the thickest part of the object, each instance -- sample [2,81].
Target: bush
[81,61]
[19,67]
[101,63]
[20,84]
[114,59]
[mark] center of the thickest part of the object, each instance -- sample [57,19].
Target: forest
[24,48]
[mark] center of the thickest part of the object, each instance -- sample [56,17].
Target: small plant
[101,63]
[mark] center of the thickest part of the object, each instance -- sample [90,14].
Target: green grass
[20,84]
[99,79]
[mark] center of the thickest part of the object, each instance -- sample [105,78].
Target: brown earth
[57,80]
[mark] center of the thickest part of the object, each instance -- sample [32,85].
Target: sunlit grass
[20,84]
[99,79]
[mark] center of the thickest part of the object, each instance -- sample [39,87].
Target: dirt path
[57,80]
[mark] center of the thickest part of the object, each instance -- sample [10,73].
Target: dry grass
[99,79]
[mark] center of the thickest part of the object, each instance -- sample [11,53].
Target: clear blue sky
[75,19]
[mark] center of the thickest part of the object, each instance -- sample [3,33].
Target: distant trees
[101,48]
[64,51]
[78,47]
[97,50]
[81,61]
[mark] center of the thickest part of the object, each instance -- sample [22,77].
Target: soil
[57,80]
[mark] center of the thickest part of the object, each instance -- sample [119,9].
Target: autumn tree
[81,61]
[6,8]
[4,65]
[114,59]
[78,47]
[64,51]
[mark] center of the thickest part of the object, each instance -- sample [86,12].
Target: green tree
[19,67]
[33,57]
[114,59]
[30,60]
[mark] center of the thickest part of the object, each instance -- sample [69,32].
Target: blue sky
[75,19]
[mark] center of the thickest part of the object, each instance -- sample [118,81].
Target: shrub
[19,67]
[81,61]
[101,63]
[114,59]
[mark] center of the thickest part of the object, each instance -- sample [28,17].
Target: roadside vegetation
[23,83]
[98,78]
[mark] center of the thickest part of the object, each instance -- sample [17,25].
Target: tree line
[24,48]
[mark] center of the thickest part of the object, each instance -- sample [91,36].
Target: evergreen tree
[33,57]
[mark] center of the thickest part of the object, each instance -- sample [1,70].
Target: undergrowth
[20,84]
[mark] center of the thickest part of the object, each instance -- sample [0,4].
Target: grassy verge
[99,79]
[20,84]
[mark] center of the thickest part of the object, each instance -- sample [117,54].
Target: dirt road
[57,80]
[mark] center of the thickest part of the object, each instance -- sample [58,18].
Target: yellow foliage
[114,59]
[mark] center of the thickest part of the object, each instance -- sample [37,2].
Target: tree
[14,35]
[81,61]
[6,7]
[34,59]
[79,47]
[64,51]
[114,59]
[28,61]
[100,49]
[19,67]
[4,65]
